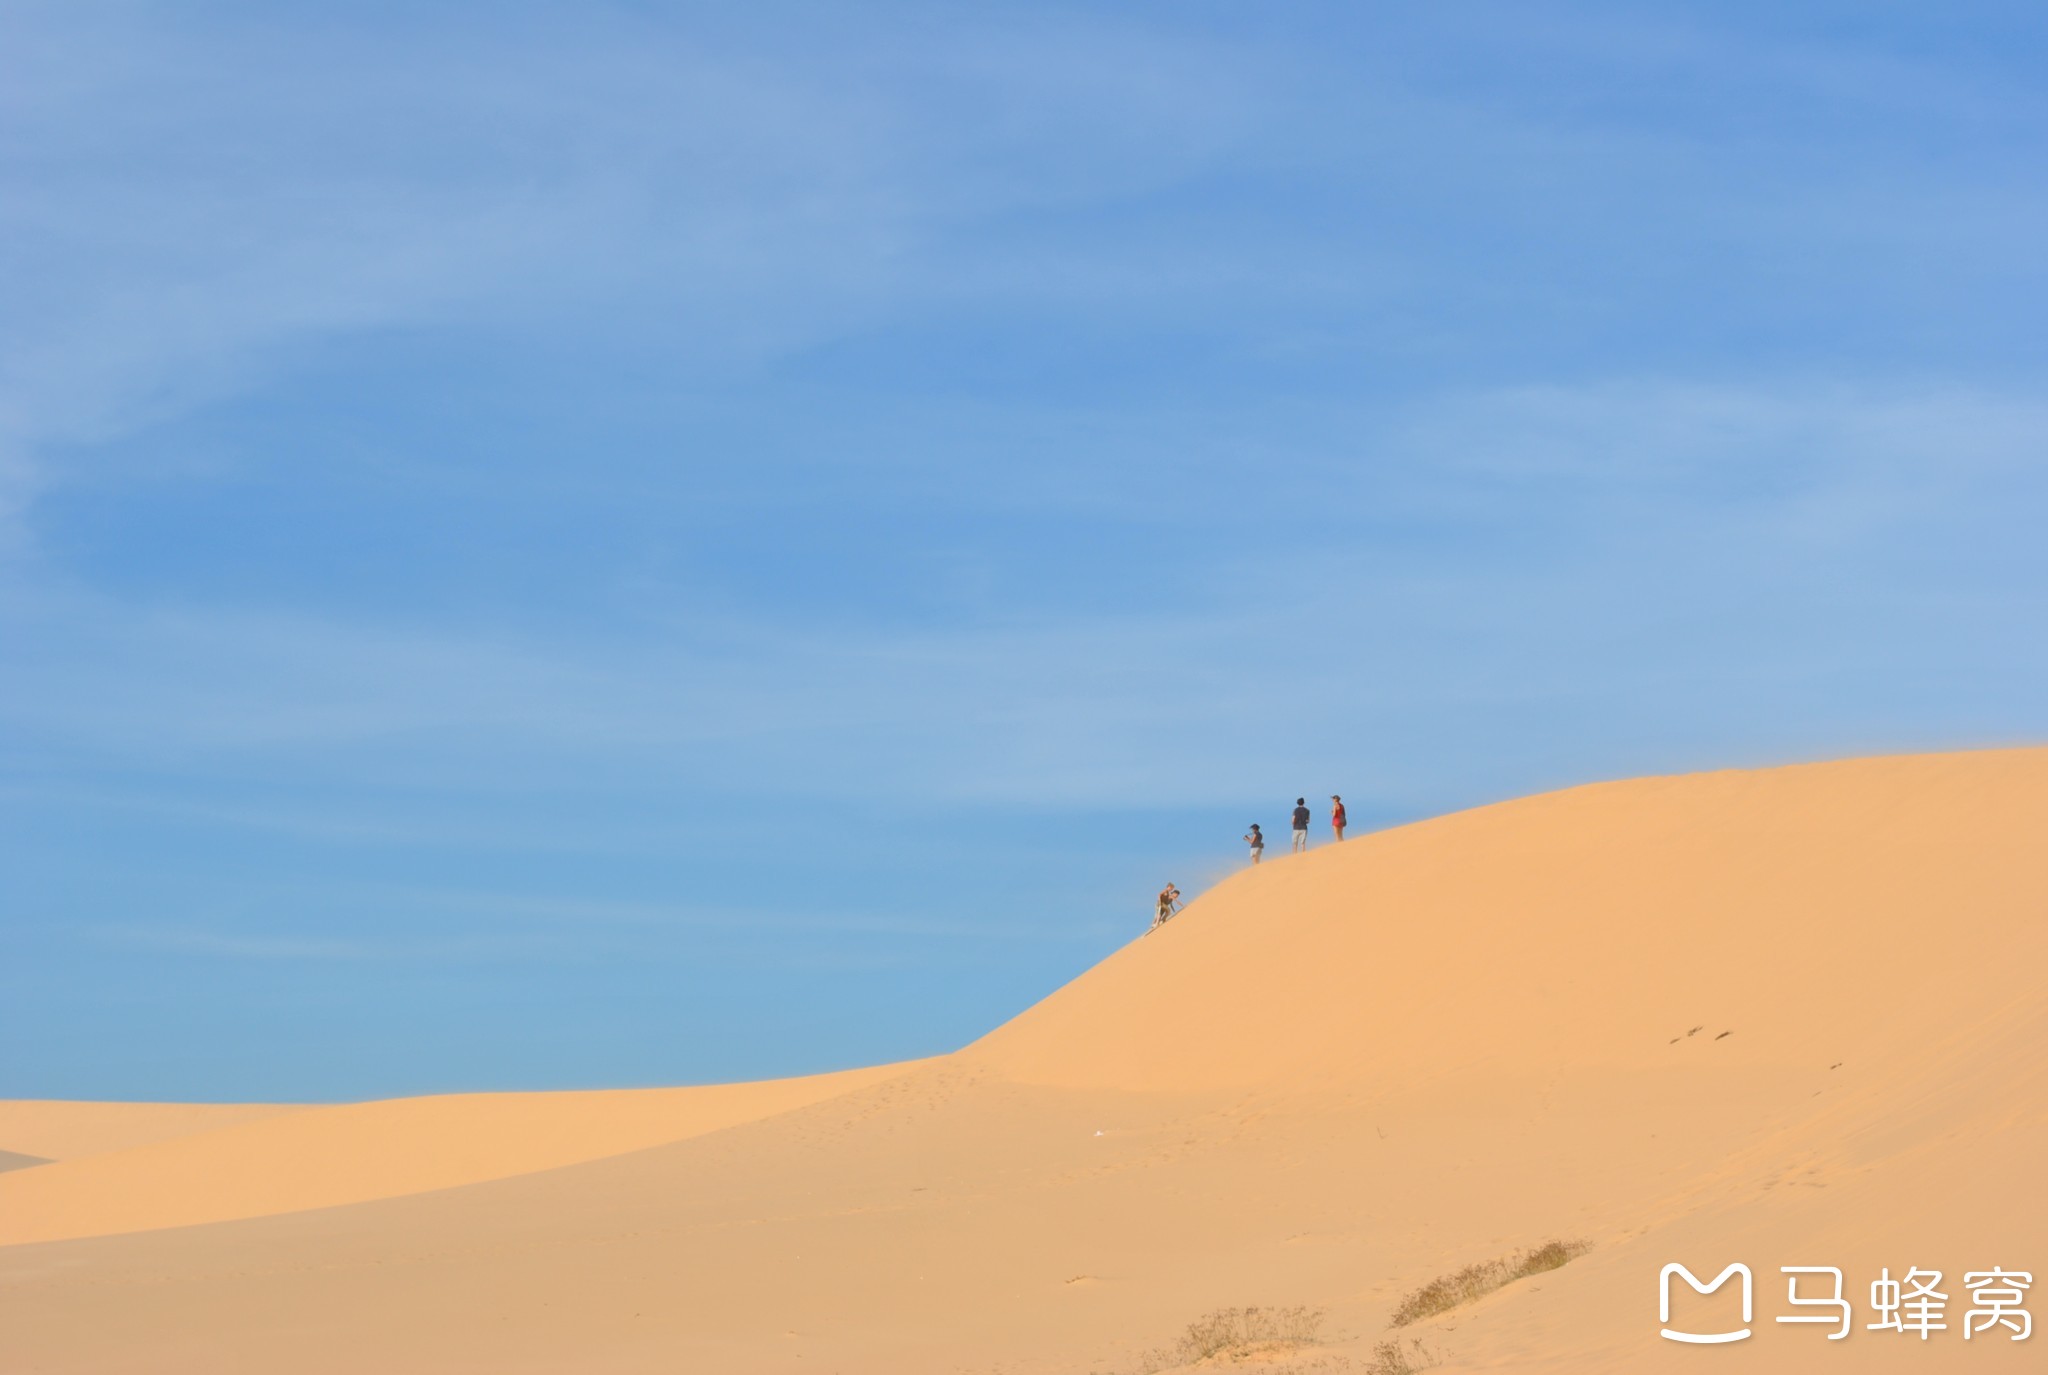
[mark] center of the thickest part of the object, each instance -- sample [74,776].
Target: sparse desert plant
[1551,1255]
[1446,1292]
[1389,1359]
[1230,1333]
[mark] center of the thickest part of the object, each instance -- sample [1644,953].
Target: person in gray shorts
[1301,816]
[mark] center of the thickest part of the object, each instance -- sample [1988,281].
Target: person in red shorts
[1337,815]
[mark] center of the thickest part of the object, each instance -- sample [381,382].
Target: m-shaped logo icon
[1704,1338]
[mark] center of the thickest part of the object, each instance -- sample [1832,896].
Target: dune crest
[61,1129]
[1796,909]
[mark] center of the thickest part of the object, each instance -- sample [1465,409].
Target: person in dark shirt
[1257,842]
[1337,815]
[1169,902]
[1301,816]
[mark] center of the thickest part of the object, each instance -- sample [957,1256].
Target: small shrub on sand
[1446,1292]
[1551,1255]
[1230,1333]
[1389,1359]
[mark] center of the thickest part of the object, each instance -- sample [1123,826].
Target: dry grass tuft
[1389,1359]
[1446,1292]
[1551,1255]
[1230,1334]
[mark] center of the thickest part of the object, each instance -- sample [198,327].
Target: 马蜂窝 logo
[1912,1304]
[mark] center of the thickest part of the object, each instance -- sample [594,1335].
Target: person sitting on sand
[1337,815]
[1301,819]
[1257,842]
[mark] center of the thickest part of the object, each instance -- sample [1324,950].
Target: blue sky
[614,543]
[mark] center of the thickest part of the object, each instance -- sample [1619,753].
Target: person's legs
[1300,841]
[1339,829]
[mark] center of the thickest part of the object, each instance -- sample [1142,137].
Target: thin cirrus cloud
[1719,495]
[169,251]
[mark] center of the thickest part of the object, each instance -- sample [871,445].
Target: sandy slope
[1327,1082]
[349,1153]
[59,1130]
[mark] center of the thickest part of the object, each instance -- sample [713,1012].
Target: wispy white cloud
[465,925]
[190,209]
[1719,501]
[187,941]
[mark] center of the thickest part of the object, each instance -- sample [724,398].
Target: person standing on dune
[1301,819]
[1257,842]
[1337,815]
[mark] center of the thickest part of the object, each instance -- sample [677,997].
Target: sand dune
[326,1156]
[1785,1017]
[1799,908]
[58,1130]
